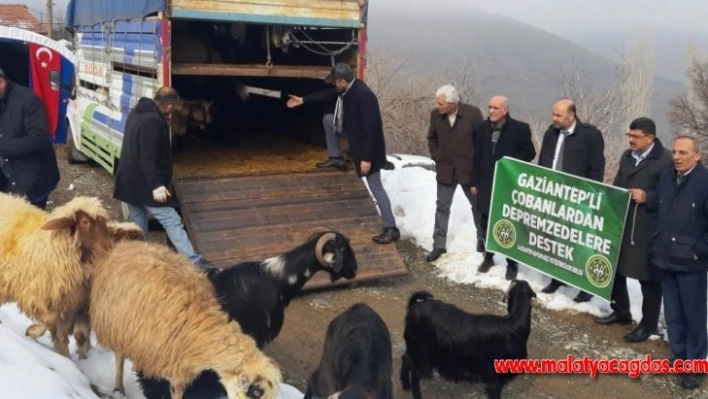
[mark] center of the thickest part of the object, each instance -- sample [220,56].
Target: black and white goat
[255,294]
[463,346]
[356,359]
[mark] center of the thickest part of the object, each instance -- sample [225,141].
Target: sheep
[81,326]
[42,258]
[154,307]
[255,294]
[356,359]
[463,346]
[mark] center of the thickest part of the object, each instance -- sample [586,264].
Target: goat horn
[319,248]
[316,231]
[508,290]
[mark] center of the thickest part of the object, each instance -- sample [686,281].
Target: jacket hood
[146,105]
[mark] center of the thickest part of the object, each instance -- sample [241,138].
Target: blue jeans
[170,220]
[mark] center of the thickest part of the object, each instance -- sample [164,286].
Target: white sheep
[152,306]
[42,257]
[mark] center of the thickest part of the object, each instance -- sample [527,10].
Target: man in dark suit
[357,117]
[679,248]
[639,169]
[28,165]
[498,136]
[573,147]
[451,145]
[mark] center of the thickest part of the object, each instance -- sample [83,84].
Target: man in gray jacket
[638,171]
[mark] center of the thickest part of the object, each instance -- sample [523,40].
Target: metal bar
[258,70]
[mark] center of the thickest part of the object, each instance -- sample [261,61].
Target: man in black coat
[639,169]
[357,117]
[573,147]
[498,136]
[451,145]
[28,165]
[143,179]
[679,248]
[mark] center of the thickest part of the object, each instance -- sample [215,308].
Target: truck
[245,173]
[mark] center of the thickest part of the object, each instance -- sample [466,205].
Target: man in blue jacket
[680,250]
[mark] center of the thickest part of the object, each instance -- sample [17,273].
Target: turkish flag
[45,65]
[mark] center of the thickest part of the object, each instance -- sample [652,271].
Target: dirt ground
[554,334]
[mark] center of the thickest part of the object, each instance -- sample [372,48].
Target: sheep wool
[41,269]
[154,307]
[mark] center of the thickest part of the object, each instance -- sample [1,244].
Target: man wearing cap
[357,117]
[144,175]
[28,165]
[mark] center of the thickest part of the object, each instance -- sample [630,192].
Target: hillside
[509,57]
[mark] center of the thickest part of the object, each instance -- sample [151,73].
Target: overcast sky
[559,16]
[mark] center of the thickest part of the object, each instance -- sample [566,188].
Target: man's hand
[160,194]
[473,190]
[294,101]
[638,196]
[365,167]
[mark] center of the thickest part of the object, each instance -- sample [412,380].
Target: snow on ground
[33,370]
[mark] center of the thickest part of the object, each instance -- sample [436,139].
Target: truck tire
[73,155]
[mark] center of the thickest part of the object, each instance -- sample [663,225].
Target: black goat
[255,294]
[462,346]
[356,359]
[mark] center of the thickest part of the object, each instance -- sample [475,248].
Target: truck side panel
[332,13]
[119,62]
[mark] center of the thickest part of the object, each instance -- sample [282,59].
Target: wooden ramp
[234,218]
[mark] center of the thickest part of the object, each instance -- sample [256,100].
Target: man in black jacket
[28,165]
[143,179]
[498,136]
[576,148]
[639,169]
[679,248]
[357,117]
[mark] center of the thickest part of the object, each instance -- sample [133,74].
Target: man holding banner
[575,148]
[498,136]
[639,168]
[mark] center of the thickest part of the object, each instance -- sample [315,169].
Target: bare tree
[406,99]
[637,70]
[689,112]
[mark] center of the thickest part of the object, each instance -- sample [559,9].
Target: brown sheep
[152,306]
[42,257]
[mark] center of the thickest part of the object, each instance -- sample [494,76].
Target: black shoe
[480,246]
[512,269]
[487,263]
[389,234]
[692,381]
[389,166]
[552,287]
[338,163]
[202,264]
[613,318]
[435,254]
[582,297]
[640,334]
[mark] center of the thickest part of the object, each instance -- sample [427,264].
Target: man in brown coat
[451,145]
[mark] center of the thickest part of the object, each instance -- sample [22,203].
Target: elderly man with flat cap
[576,148]
[358,118]
[28,165]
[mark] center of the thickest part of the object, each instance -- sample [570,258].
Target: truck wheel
[73,155]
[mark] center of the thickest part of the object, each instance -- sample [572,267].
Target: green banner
[567,227]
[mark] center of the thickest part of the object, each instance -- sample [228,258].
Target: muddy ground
[554,334]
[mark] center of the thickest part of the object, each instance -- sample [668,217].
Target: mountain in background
[509,57]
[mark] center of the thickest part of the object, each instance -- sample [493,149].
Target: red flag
[44,63]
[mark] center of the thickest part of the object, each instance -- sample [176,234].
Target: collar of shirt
[571,130]
[642,156]
[349,87]
[686,173]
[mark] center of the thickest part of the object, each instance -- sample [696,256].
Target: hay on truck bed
[257,153]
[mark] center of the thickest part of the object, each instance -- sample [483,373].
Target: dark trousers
[685,313]
[442,214]
[651,302]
